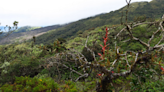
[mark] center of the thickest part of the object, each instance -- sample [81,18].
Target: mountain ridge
[153,9]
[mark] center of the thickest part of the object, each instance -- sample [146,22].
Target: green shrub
[26,67]
[28,84]
[69,86]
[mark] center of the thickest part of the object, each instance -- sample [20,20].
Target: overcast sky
[51,12]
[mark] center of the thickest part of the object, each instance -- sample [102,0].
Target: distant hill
[26,28]
[153,9]
[26,33]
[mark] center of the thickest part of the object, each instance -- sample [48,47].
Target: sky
[52,12]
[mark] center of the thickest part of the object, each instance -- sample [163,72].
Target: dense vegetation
[127,57]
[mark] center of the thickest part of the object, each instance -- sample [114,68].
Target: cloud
[51,12]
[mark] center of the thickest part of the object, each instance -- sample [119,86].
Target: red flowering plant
[104,51]
[105,45]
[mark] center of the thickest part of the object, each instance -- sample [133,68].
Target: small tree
[8,29]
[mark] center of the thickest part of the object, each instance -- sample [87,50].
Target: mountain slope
[153,9]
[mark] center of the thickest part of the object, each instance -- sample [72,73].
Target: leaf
[101,46]
[99,54]
[123,70]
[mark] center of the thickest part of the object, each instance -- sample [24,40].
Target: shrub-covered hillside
[64,65]
[109,58]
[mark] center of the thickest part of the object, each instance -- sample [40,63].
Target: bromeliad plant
[105,45]
[104,50]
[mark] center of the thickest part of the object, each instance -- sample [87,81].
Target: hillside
[50,67]
[153,9]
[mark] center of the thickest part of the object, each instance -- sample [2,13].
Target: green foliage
[22,60]
[149,85]
[135,46]
[20,68]
[70,86]
[44,71]
[4,67]
[57,47]
[13,52]
[46,84]
[31,85]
